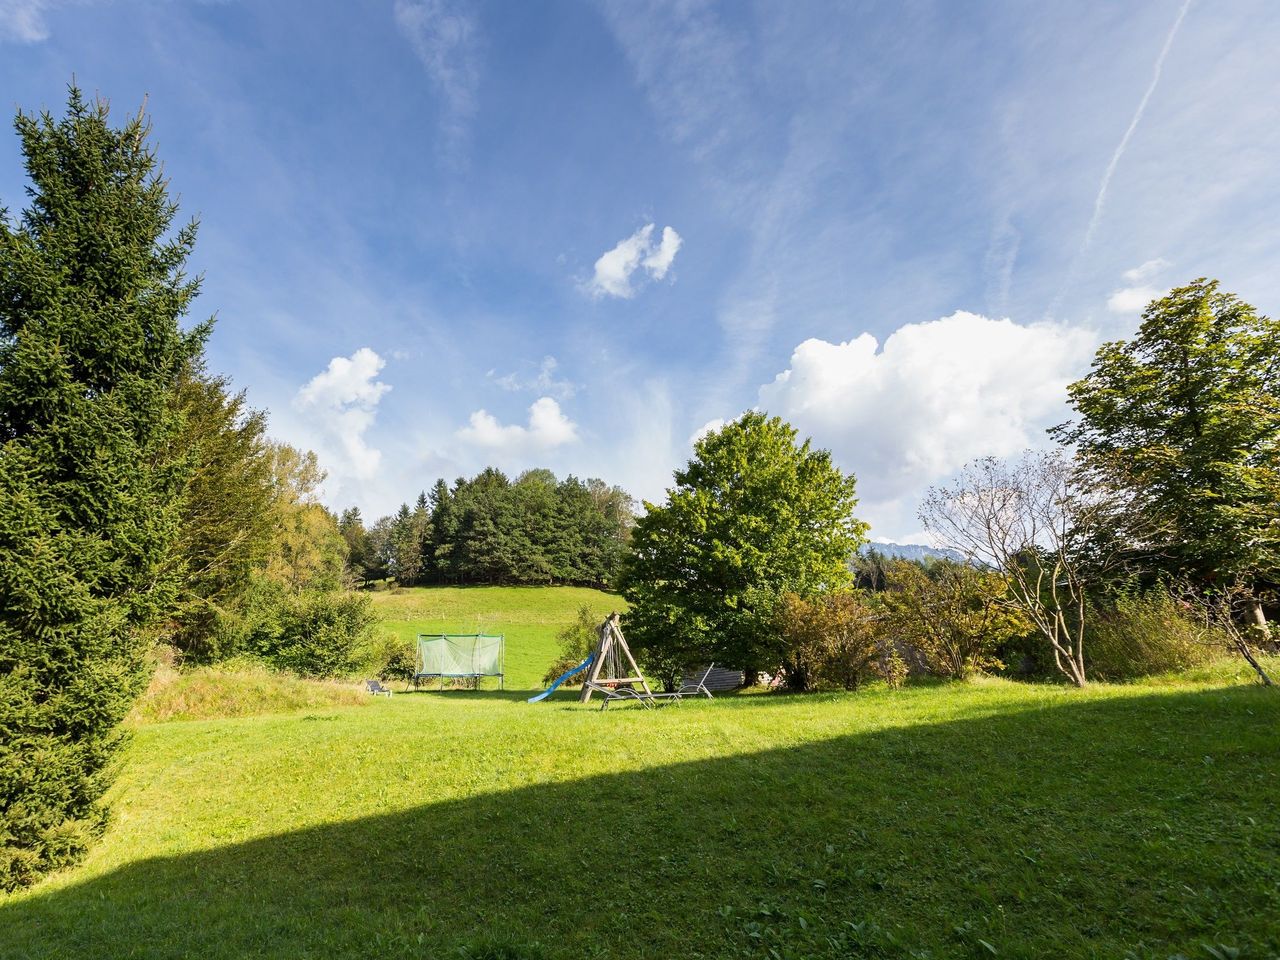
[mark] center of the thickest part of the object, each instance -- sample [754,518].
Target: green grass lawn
[529,617]
[969,820]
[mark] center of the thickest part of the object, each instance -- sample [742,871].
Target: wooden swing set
[614,674]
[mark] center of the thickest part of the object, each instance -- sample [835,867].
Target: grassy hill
[967,820]
[529,617]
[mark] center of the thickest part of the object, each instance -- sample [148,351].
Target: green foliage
[92,290]
[1186,417]
[1140,634]
[577,640]
[308,551]
[954,615]
[752,516]
[228,522]
[833,639]
[535,530]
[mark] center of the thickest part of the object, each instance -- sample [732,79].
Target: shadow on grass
[1145,824]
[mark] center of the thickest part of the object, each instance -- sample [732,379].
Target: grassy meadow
[982,819]
[529,617]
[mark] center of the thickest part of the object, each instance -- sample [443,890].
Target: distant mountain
[913,551]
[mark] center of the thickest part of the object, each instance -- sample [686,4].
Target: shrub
[321,633]
[577,640]
[831,640]
[954,615]
[1139,634]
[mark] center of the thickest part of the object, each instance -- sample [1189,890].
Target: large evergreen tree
[754,515]
[92,290]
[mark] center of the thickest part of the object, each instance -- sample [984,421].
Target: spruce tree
[92,290]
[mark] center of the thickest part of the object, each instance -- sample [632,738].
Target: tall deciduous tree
[1187,416]
[92,291]
[754,515]
[1036,519]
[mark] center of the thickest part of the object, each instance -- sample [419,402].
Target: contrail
[1100,200]
[1133,124]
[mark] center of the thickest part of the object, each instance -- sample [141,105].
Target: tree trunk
[1258,619]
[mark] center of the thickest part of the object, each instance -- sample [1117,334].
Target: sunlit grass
[1038,819]
[529,617]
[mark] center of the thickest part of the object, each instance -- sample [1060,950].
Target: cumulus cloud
[548,428]
[711,426]
[443,36]
[1133,299]
[342,402]
[544,381]
[937,395]
[615,268]
[1140,292]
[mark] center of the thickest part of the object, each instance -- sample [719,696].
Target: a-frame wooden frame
[611,638]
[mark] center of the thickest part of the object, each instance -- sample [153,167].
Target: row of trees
[490,529]
[140,498]
[1165,488]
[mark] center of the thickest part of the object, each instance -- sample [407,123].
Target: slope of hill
[529,618]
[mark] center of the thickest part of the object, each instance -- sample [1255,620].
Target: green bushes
[835,639]
[956,617]
[313,634]
[576,641]
[1137,635]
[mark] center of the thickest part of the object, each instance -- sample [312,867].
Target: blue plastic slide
[563,677]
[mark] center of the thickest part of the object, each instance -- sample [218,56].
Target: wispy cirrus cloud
[545,381]
[444,35]
[23,21]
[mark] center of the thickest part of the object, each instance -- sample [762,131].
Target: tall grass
[1139,635]
[241,688]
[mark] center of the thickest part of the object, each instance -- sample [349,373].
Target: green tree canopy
[753,515]
[1186,415]
[92,291]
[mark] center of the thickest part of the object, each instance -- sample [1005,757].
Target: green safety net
[459,656]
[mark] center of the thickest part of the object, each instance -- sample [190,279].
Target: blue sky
[439,234]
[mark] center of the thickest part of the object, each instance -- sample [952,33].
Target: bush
[321,634]
[1136,635]
[577,640]
[387,657]
[954,615]
[831,640]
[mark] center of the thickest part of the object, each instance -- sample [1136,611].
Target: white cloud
[614,268]
[1148,270]
[444,38]
[544,381]
[658,262]
[711,426]
[342,403]
[548,428]
[23,20]
[1133,299]
[939,394]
